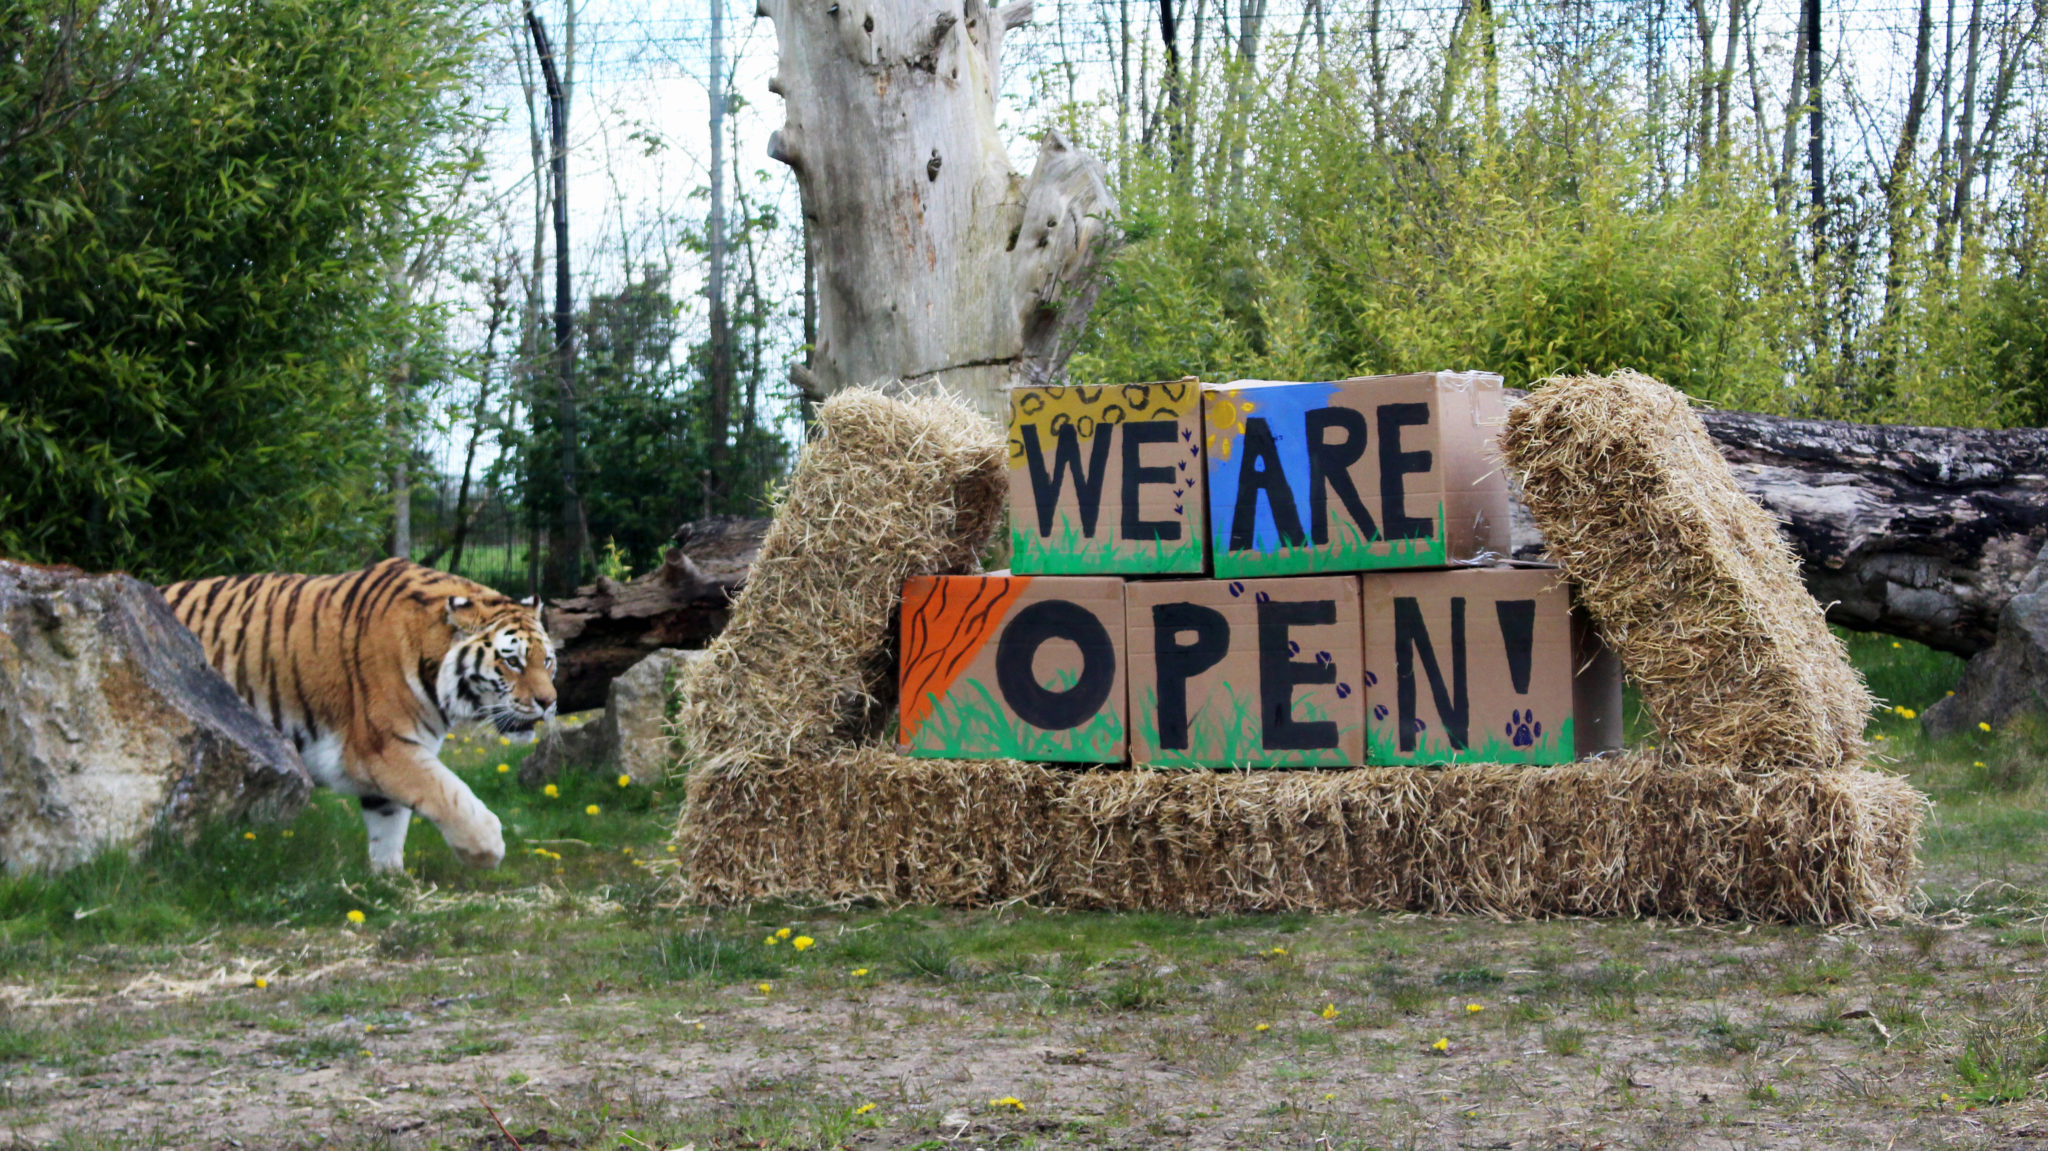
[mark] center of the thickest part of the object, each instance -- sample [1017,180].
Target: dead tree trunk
[935,261]
[1920,533]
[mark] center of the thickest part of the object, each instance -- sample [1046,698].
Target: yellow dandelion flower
[783,934]
[1330,1011]
[1441,1045]
[287,833]
[503,768]
[1946,1097]
[770,941]
[593,809]
[765,988]
[1896,643]
[1329,1095]
[369,1027]
[1263,1027]
[1976,763]
[1474,1008]
[801,942]
[863,1109]
[1277,951]
[248,835]
[504,741]
[1982,726]
[625,781]
[356,917]
[625,851]
[261,983]
[366,1053]
[1908,713]
[1007,1101]
[1879,737]
[859,971]
[551,791]
[1951,693]
[671,849]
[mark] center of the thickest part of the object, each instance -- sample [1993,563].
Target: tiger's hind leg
[387,821]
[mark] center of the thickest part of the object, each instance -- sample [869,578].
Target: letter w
[1066,456]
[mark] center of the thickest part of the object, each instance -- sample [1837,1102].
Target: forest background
[279,278]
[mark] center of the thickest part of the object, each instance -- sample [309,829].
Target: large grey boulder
[2011,679]
[630,736]
[113,725]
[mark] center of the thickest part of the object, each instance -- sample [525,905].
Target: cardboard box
[1484,665]
[1357,475]
[1246,673]
[1106,480]
[1025,667]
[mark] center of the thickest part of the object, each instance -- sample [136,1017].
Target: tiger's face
[501,667]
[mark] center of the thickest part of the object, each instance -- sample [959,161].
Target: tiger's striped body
[366,672]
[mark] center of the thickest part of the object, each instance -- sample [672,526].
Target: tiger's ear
[539,614]
[462,614]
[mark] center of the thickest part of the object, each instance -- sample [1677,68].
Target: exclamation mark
[1518,634]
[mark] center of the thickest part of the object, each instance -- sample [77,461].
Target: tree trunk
[719,371]
[936,262]
[1920,533]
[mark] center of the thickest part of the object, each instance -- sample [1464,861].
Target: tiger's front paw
[482,845]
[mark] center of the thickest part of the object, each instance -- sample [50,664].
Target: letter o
[1029,630]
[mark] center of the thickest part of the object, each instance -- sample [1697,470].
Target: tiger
[367,671]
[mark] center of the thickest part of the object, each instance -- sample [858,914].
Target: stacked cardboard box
[1257,574]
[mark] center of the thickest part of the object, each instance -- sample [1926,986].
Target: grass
[970,720]
[1104,553]
[1225,733]
[573,996]
[1350,551]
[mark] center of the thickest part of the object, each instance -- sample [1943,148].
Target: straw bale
[889,488]
[1689,580]
[1627,835]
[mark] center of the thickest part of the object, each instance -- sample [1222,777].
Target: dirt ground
[1360,1032]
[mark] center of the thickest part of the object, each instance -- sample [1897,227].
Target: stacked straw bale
[1630,835]
[1689,580]
[890,488]
[786,799]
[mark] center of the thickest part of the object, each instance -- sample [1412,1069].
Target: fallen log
[1920,533]
[609,626]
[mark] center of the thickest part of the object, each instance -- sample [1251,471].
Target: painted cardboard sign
[1356,475]
[1106,480]
[1025,667]
[1483,665]
[1246,673]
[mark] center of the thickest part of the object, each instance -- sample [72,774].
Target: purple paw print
[1343,691]
[1236,588]
[1379,711]
[1323,657]
[1262,597]
[1371,680]
[1418,724]
[1293,647]
[1523,728]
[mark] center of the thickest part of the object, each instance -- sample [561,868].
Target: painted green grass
[1068,552]
[1383,747]
[1349,552]
[1221,736]
[971,723]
